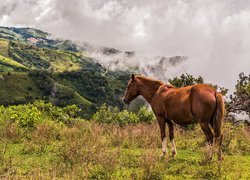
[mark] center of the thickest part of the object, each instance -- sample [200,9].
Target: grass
[76,97]
[16,87]
[7,33]
[90,150]
[25,55]
[10,62]
[20,88]
[64,61]
[51,59]
[4,47]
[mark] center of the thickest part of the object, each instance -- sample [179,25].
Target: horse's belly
[178,108]
[181,116]
[187,121]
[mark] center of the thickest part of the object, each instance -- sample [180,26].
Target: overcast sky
[214,34]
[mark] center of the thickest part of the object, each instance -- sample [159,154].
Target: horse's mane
[149,79]
[170,86]
[154,80]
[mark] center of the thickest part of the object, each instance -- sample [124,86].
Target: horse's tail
[218,116]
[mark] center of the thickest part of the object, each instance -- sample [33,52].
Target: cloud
[213,34]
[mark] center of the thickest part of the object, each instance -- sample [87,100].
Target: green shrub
[109,115]
[29,115]
[105,115]
[145,115]
[25,115]
[236,140]
[125,118]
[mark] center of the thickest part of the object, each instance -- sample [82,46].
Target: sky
[214,34]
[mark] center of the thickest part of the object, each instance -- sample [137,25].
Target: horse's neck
[149,88]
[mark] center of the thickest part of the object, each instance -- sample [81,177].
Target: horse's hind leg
[209,136]
[218,143]
[207,131]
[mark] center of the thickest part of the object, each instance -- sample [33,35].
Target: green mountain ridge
[33,66]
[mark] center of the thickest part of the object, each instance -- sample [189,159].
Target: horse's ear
[133,77]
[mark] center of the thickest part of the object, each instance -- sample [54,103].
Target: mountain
[159,67]
[35,65]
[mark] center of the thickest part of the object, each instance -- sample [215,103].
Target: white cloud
[4,19]
[214,34]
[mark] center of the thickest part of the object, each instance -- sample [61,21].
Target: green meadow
[42,141]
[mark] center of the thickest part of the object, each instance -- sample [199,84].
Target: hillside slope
[33,66]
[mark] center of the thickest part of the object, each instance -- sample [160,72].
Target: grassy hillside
[55,71]
[18,88]
[21,34]
[11,63]
[34,57]
[4,44]
[7,33]
[36,37]
[43,141]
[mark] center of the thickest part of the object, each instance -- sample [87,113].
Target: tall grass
[55,148]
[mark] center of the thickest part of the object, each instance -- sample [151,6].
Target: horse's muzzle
[126,101]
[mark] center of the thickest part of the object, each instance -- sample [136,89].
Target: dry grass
[91,150]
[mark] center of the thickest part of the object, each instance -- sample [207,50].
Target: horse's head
[131,91]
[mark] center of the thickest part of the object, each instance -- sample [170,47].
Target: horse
[198,103]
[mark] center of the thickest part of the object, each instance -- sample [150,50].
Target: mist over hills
[160,67]
[35,65]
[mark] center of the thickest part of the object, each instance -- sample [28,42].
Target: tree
[185,80]
[240,100]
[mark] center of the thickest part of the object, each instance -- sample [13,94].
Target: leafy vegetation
[240,100]
[45,141]
[18,88]
[188,79]
[29,115]
[109,115]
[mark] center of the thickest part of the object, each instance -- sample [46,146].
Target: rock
[240,116]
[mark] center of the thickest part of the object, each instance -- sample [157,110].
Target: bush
[125,118]
[29,115]
[145,115]
[105,115]
[109,115]
[24,115]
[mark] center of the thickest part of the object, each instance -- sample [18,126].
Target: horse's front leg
[171,137]
[162,125]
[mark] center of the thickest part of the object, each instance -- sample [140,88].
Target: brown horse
[197,103]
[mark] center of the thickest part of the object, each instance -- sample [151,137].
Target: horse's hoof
[174,154]
[162,156]
[220,158]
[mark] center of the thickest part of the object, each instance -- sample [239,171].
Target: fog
[214,35]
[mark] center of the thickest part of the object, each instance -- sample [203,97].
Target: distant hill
[34,65]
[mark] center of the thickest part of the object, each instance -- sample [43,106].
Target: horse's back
[203,101]
[188,104]
[202,93]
